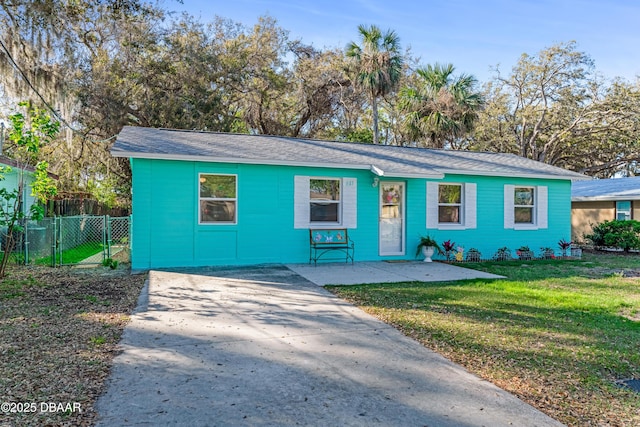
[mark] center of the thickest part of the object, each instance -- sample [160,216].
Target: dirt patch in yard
[59,330]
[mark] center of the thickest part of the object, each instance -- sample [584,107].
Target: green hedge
[623,234]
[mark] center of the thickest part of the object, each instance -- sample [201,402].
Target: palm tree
[377,65]
[440,108]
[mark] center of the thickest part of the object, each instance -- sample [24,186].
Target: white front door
[392,204]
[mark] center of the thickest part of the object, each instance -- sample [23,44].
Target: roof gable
[392,161]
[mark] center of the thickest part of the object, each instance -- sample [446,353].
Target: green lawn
[75,254]
[557,333]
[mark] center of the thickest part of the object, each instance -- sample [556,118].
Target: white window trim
[461,205]
[540,208]
[534,207]
[302,203]
[403,212]
[199,199]
[627,212]
[339,202]
[468,207]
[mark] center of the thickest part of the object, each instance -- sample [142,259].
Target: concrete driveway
[264,346]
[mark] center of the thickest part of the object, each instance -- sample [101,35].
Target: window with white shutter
[325,202]
[451,206]
[526,207]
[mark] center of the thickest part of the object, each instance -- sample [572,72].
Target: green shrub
[111,263]
[503,254]
[623,234]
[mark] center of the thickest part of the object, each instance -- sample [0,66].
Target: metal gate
[76,240]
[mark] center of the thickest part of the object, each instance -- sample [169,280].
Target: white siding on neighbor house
[302,203]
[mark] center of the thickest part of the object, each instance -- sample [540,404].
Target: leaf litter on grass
[555,334]
[58,338]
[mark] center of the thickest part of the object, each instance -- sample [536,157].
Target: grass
[75,254]
[13,288]
[559,334]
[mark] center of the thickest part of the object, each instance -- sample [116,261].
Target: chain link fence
[118,236]
[75,240]
[80,240]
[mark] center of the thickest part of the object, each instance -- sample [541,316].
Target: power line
[53,111]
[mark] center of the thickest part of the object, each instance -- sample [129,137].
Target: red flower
[564,244]
[448,245]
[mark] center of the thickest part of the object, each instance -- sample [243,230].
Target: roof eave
[519,175]
[200,158]
[605,198]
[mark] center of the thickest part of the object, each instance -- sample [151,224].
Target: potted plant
[428,246]
[564,245]
[524,252]
[547,253]
[473,255]
[448,247]
[502,254]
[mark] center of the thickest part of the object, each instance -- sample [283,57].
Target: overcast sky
[473,35]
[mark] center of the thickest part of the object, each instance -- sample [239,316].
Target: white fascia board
[200,158]
[435,175]
[613,198]
[513,175]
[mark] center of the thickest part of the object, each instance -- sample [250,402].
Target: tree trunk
[374,107]
[8,248]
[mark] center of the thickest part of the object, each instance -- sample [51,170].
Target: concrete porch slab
[385,272]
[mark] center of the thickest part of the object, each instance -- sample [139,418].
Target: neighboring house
[599,200]
[202,198]
[12,178]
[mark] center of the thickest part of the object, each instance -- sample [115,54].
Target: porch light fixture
[377,172]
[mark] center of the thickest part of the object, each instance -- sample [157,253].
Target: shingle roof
[606,189]
[392,161]
[7,161]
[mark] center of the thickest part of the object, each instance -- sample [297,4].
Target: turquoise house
[205,198]
[11,181]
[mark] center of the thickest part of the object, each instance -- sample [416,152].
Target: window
[623,210]
[450,203]
[324,199]
[451,206]
[217,199]
[524,205]
[526,208]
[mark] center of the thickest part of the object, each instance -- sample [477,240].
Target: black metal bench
[324,240]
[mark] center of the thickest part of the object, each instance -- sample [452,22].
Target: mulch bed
[59,330]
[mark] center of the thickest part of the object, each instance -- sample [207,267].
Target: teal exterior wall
[490,233]
[11,181]
[166,233]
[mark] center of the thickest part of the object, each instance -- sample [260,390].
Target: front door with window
[392,241]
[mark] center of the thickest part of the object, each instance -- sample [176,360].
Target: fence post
[54,240]
[25,241]
[106,237]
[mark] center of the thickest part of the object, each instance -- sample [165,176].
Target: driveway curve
[264,346]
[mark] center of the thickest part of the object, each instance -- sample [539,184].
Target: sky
[476,36]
